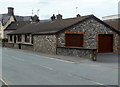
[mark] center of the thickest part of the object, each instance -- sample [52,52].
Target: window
[11,38]
[19,38]
[32,40]
[27,38]
[74,40]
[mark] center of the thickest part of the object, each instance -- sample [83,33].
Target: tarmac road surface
[23,68]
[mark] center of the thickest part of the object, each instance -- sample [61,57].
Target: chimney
[78,15]
[53,17]
[59,17]
[10,11]
[35,18]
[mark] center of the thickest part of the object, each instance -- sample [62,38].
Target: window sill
[21,43]
[10,42]
[26,43]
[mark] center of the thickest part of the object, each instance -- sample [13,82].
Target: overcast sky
[67,8]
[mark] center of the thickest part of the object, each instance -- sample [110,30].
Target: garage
[105,43]
[74,40]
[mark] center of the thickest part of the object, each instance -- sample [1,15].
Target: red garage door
[105,43]
[74,40]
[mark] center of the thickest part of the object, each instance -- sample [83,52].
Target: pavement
[21,67]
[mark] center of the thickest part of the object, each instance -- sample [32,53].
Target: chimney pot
[53,17]
[59,16]
[78,15]
[10,11]
[35,18]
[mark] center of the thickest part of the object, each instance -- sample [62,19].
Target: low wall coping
[8,43]
[80,48]
[21,44]
[26,44]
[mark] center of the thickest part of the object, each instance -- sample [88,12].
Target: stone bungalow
[82,36]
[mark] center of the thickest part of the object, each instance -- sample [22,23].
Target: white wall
[11,19]
[111,17]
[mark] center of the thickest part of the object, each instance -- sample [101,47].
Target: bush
[4,40]
[0,40]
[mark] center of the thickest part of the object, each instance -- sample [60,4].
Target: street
[25,68]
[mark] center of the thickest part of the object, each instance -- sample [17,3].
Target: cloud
[19,1]
[65,7]
[43,2]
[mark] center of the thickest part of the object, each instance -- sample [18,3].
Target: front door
[105,43]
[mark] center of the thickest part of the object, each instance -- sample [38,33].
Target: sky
[68,8]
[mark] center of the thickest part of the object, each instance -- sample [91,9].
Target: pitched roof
[22,18]
[49,27]
[16,25]
[4,18]
[114,23]
[56,26]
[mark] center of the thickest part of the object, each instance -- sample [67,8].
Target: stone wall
[19,46]
[77,52]
[91,28]
[27,46]
[116,43]
[16,46]
[10,45]
[45,43]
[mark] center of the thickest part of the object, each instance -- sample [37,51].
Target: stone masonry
[45,43]
[77,52]
[91,28]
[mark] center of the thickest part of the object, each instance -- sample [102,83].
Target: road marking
[14,57]
[18,58]
[43,66]
[97,83]
[62,60]
[55,58]
[3,81]
[81,77]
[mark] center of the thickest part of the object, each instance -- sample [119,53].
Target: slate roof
[48,27]
[5,17]
[16,25]
[56,26]
[22,18]
[114,23]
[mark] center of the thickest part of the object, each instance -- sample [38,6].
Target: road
[24,68]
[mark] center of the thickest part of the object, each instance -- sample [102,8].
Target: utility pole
[76,10]
[32,12]
[38,12]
